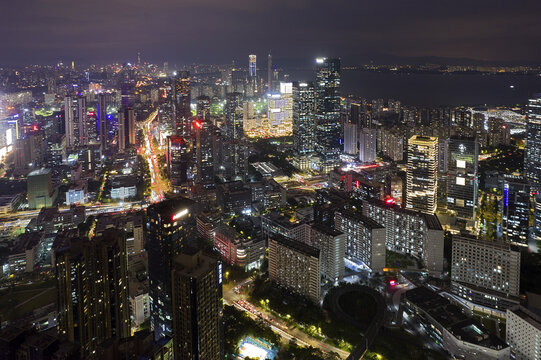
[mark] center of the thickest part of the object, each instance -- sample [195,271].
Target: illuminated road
[303,339]
[158,185]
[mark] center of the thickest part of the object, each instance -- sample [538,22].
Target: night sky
[217,31]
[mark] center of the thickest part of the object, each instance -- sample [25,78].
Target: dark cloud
[184,31]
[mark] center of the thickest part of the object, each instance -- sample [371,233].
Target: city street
[158,185]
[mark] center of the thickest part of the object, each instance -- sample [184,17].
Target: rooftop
[296,245]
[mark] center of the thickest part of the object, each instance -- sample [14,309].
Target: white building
[139,303]
[332,246]
[76,195]
[350,139]
[523,334]
[367,145]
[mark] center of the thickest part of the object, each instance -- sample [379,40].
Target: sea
[435,89]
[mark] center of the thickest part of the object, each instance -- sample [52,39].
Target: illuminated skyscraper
[304,117]
[280,110]
[197,306]
[252,67]
[367,145]
[233,116]
[82,121]
[170,226]
[203,151]
[203,107]
[462,179]
[328,112]
[182,97]
[515,209]
[92,283]
[422,180]
[351,133]
[69,121]
[532,150]
[269,73]
[102,121]
[126,128]
[178,157]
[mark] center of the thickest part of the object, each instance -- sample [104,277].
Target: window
[460,181]
[461,164]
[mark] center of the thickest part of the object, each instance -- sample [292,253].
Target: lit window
[460,181]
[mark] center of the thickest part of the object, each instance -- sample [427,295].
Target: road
[158,185]
[254,311]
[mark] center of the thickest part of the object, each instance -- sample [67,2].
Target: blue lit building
[515,209]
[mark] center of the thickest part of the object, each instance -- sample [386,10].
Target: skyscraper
[197,306]
[92,282]
[178,158]
[422,180]
[280,110]
[516,209]
[102,121]
[269,73]
[171,225]
[367,145]
[351,133]
[462,180]
[252,67]
[126,128]
[328,112]
[532,150]
[82,121]
[233,116]
[203,151]
[203,107]
[182,102]
[69,121]
[304,117]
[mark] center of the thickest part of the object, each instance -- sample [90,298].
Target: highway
[158,185]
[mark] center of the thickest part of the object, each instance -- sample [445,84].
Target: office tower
[350,139]
[328,112]
[249,120]
[365,239]
[522,333]
[197,306]
[332,246]
[204,156]
[462,181]
[92,282]
[182,95]
[82,121]
[485,273]
[102,121]
[252,67]
[233,116]
[69,121]
[295,266]
[203,107]
[537,217]
[422,180]
[269,73]
[40,189]
[515,209]
[532,150]
[178,158]
[127,93]
[304,117]
[170,226]
[409,232]
[280,110]
[126,128]
[367,145]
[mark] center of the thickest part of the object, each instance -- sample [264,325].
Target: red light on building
[197,124]
[392,282]
[357,183]
[389,201]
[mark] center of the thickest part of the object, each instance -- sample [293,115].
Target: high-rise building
[102,121]
[82,121]
[40,189]
[126,128]
[203,151]
[269,73]
[203,107]
[178,158]
[69,121]
[485,273]
[516,209]
[252,67]
[365,239]
[537,217]
[295,266]
[422,180]
[280,110]
[182,95]
[332,246]
[462,180]
[532,150]
[328,112]
[304,117]
[197,306]
[171,225]
[522,333]
[92,282]
[233,116]
[127,93]
[367,145]
[351,135]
